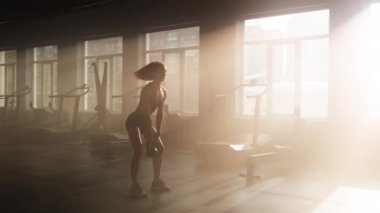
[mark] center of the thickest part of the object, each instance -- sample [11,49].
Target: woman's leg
[157,185]
[157,158]
[135,138]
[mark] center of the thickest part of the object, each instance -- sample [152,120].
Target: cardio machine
[235,149]
[10,127]
[59,132]
[14,98]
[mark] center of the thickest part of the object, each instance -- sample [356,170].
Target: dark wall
[134,16]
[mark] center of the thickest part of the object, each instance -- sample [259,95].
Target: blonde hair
[150,71]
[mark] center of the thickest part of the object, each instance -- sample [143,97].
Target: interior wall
[217,21]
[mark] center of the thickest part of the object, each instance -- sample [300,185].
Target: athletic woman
[152,98]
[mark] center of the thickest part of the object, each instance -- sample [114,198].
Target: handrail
[84,88]
[18,93]
[251,85]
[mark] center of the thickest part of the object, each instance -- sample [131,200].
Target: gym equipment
[101,141]
[77,93]
[11,129]
[105,144]
[251,160]
[236,149]
[13,101]
[10,99]
[48,134]
[101,94]
[40,116]
[57,114]
[151,150]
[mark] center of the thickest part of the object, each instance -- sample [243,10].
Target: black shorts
[136,119]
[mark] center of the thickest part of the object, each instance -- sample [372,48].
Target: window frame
[110,83]
[14,68]
[53,63]
[179,50]
[297,42]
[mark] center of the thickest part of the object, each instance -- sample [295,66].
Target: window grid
[7,74]
[44,75]
[114,82]
[268,45]
[178,51]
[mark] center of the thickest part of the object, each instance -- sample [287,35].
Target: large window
[107,55]
[44,75]
[179,51]
[290,52]
[7,73]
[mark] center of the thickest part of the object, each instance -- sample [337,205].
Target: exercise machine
[10,128]
[235,149]
[59,132]
[12,102]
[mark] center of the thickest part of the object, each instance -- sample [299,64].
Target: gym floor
[71,178]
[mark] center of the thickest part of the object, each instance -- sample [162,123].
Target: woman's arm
[145,99]
[160,110]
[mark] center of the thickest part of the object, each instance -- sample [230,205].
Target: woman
[152,98]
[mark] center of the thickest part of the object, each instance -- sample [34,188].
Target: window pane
[8,56]
[191,80]
[173,81]
[283,66]
[2,57]
[287,26]
[117,83]
[314,84]
[45,53]
[187,37]
[151,57]
[7,73]
[55,77]
[44,75]
[255,66]
[374,63]
[255,61]
[10,79]
[37,86]
[47,83]
[107,46]
[54,85]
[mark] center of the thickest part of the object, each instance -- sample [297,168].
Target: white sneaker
[159,186]
[137,192]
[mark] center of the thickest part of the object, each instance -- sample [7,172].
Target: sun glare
[348,199]
[374,63]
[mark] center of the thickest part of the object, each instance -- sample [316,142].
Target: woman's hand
[151,148]
[156,137]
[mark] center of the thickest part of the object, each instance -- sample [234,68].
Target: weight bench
[252,159]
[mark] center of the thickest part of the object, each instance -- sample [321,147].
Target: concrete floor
[71,178]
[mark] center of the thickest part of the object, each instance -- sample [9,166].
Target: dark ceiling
[16,10]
